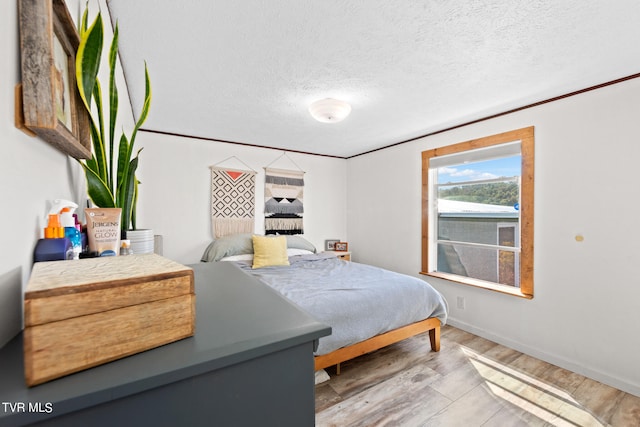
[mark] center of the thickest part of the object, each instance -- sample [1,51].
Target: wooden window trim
[526,138]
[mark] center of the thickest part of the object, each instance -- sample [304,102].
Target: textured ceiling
[246,71]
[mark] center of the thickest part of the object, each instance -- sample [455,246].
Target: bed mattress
[357,300]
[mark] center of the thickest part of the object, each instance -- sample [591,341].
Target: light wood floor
[470,382]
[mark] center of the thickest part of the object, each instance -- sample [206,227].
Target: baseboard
[560,361]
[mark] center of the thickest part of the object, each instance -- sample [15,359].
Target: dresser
[249,363]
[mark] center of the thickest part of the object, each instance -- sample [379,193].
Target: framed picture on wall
[51,103]
[341,246]
[330,244]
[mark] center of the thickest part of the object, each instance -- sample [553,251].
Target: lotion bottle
[71,232]
[65,210]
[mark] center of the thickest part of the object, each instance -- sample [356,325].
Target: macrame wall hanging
[283,193]
[232,200]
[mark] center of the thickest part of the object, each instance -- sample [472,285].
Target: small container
[71,231]
[125,247]
[103,230]
[53,250]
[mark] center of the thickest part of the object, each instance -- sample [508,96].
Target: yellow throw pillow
[268,251]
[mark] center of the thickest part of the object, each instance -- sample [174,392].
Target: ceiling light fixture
[329,110]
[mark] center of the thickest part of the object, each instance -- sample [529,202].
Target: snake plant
[108,188]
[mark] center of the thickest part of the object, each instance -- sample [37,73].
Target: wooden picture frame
[330,244]
[51,103]
[341,247]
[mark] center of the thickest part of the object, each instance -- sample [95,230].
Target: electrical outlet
[460,303]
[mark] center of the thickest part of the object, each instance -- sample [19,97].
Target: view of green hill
[498,193]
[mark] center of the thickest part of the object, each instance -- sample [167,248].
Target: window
[477,212]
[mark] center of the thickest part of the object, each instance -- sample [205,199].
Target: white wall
[175,193]
[32,173]
[585,312]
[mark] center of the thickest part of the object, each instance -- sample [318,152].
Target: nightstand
[341,254]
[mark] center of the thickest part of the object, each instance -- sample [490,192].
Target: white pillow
[294,252]
[249,257]
[241,257]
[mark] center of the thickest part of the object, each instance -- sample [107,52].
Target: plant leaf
[113,99]
[147,98]
[145,108]
[127,193]
[123,166]
[97,189]
[82,28]
[98,144]
[91,163]
[88,60]
[87,65]
[134,205]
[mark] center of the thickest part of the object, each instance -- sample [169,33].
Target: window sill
[509,290]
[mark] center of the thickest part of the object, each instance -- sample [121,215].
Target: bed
[367,307]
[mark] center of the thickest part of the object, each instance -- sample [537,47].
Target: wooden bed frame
[346,353]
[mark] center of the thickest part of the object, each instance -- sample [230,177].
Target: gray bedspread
[358,301]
